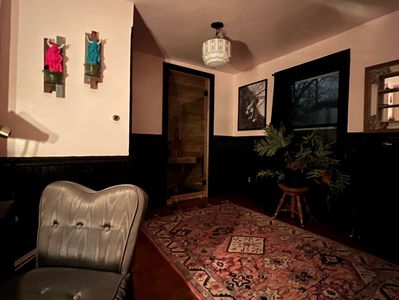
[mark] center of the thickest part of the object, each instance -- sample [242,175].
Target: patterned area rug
[230,252]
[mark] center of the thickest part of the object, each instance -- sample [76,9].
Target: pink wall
[372,43]
[81,123]
[147,95]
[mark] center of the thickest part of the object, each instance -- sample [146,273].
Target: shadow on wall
[144,41]
[240,50]
[5,33]
[25,129]
[22,126]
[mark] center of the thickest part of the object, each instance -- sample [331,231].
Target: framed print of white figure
[252,106]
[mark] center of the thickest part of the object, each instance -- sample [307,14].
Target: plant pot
[294,178]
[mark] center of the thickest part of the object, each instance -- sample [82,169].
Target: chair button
[77,296]
[45,290]
[79,225]
[55,224]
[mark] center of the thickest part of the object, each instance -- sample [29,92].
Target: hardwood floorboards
[153,276]
[155,279]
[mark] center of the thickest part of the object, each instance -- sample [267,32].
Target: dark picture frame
[252,105]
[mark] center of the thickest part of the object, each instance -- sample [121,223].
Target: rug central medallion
[246,244]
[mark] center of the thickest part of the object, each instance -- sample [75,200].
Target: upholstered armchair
[85,244]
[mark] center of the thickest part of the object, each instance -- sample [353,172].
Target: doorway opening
[187,115]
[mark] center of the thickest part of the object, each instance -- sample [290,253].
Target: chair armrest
[25,262]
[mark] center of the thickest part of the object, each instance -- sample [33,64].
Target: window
[314,96]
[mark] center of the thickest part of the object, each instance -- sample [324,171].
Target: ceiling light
[216,51]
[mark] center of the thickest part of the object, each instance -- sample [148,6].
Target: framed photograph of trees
[252,106]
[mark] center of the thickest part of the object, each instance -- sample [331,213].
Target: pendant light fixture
[216,51]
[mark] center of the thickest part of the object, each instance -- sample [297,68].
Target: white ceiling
[259,30]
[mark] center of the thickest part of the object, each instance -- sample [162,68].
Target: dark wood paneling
[368,208]
[373,201]
[7,237]
[235,165]
[149,159]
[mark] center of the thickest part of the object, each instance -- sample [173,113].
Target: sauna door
[187,97]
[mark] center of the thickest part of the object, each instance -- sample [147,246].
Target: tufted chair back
[82,228]
[85,244]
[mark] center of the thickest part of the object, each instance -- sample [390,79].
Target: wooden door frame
[167,67]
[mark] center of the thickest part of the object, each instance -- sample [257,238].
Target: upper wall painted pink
[372,43]
[81,124]
[147,95]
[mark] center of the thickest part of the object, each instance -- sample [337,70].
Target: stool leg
[292,206]
[279,205]
[307,207]
[298,200]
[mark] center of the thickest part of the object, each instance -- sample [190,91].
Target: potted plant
[297,161]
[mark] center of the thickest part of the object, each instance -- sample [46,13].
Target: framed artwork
[252,106]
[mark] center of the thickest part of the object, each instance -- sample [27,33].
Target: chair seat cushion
[65,283]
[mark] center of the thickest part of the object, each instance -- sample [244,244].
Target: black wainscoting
[23,180]
[234,167]
[369,207]
[149,159]
[373,201]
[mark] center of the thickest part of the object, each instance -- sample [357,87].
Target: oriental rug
[227,251]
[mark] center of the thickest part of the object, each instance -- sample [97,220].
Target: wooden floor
[154,278]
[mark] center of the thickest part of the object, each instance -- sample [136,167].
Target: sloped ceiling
[259,30]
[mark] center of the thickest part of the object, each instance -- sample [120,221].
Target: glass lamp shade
[216,52]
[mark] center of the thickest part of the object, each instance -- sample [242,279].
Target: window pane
[315,101]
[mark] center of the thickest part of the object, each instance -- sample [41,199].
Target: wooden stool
[295,205]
